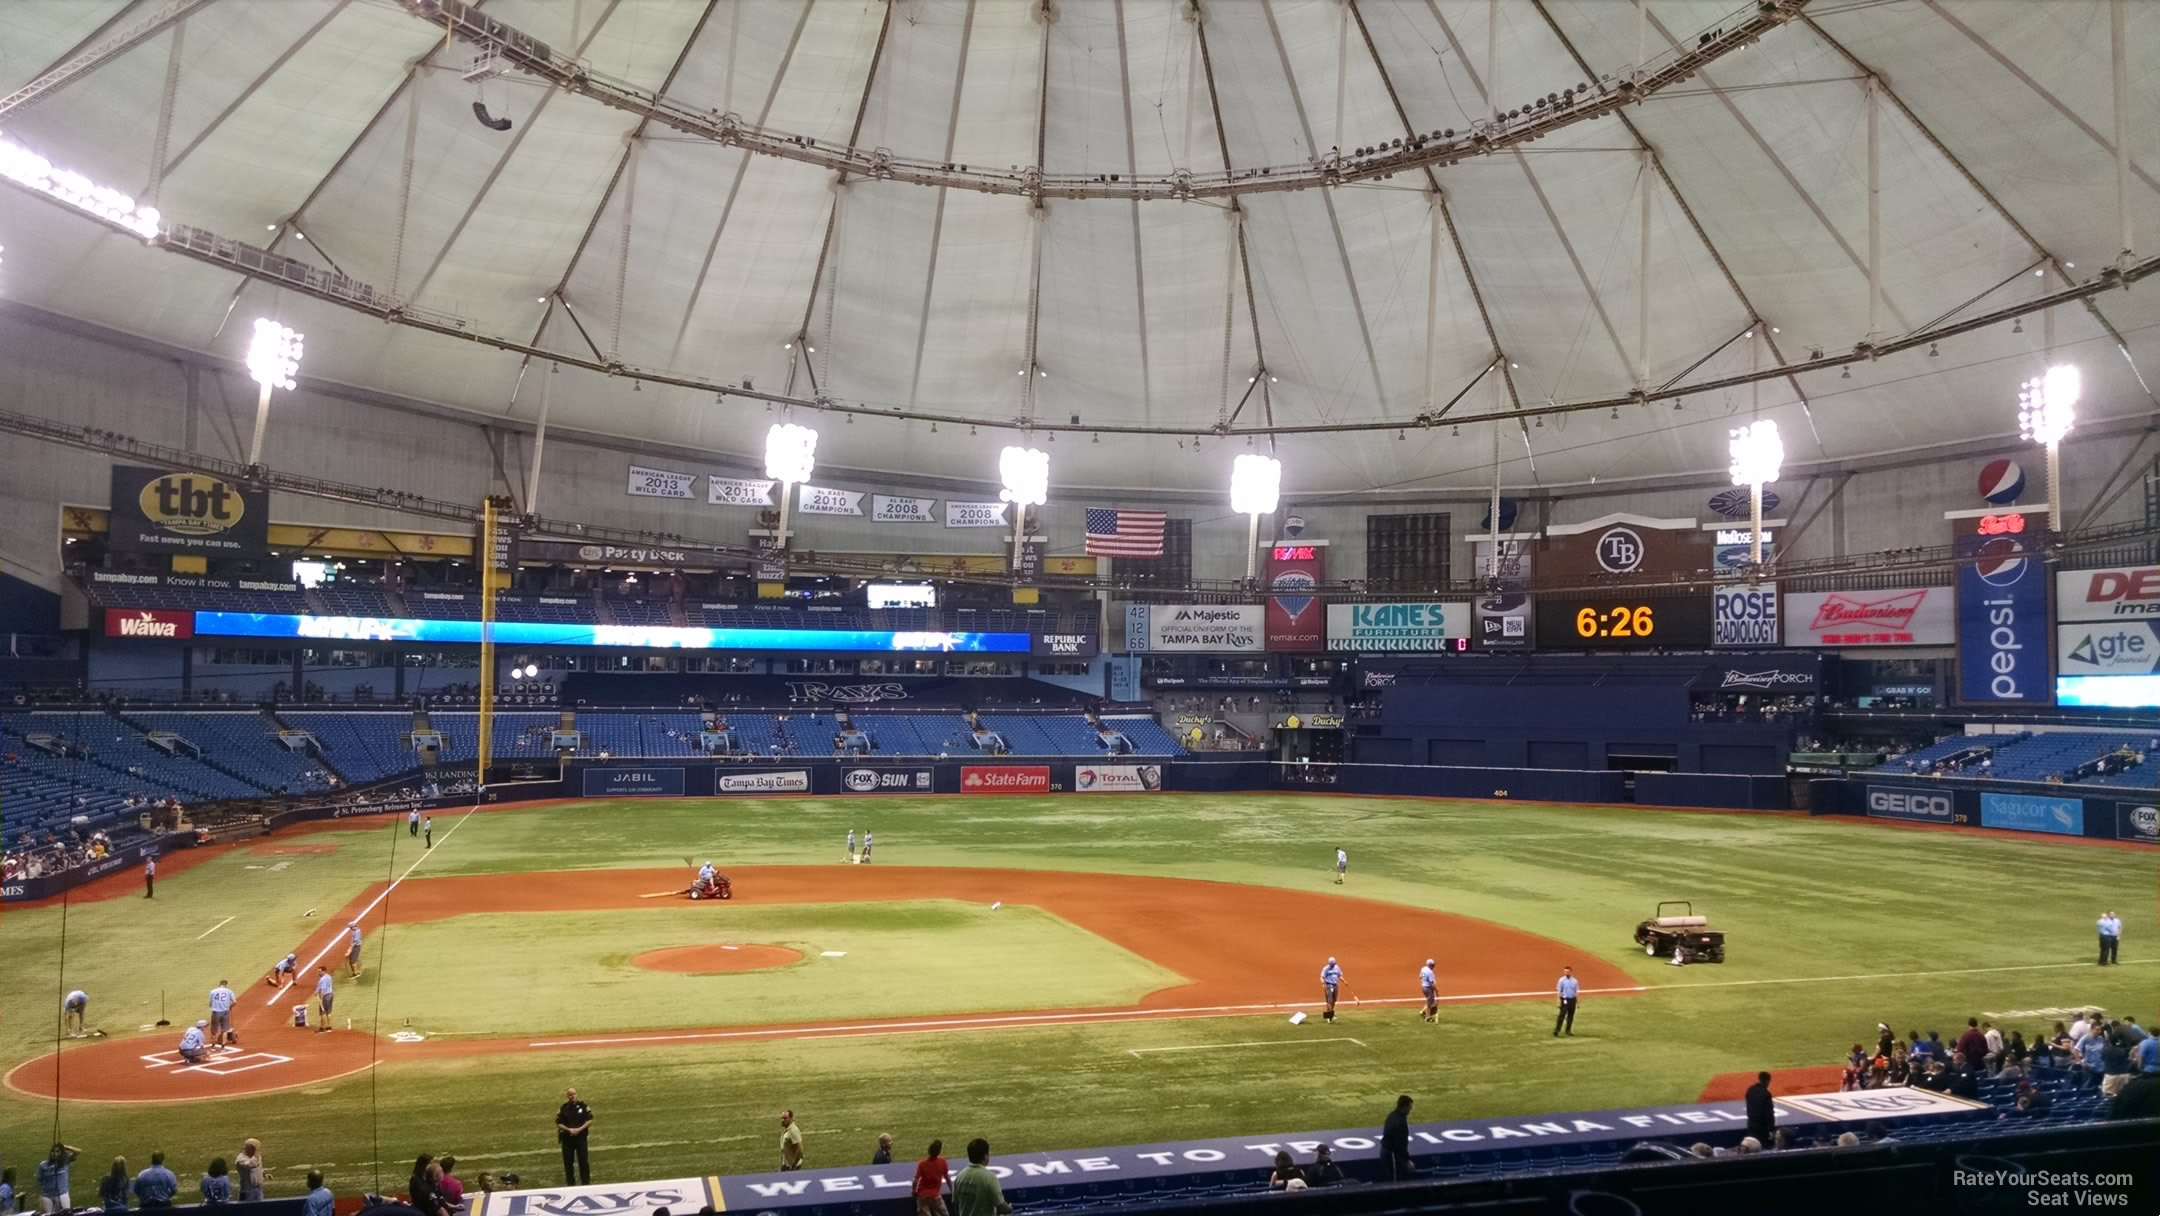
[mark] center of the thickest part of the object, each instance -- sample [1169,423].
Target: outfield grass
[1834,926]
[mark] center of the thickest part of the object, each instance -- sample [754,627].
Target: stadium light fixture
[33,172]
[790,454]
[273,359]
[1026,474]
[1255,490]
[2047,409]
[1757,455]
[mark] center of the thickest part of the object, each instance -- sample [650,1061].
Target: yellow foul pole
[487,635]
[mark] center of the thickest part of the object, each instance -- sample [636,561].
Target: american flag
[1125,533]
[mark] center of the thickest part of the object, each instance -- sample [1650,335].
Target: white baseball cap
[204,1022]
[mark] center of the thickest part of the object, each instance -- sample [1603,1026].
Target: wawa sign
[148,623]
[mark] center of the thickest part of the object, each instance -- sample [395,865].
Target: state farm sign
[2107,595]
[1005,779]
[1917,616]
[148,623]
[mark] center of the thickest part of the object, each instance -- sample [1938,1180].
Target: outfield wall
[2125,814]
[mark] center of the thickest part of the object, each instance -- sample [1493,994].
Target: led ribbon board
[658,637]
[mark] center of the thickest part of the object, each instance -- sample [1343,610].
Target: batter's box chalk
[220,1066]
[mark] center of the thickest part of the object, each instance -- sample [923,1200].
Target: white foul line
[383,895]
[214,928]
[1137,1052]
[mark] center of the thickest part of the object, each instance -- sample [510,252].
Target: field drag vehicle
[718,888]
[1681,936]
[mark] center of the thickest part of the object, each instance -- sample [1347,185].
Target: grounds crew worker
[1568,987]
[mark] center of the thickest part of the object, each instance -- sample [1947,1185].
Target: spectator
[52,1178]
[156,1185]
[931,1178]
[2031,1099]
[1964,1077]
[1994,1040]
[1885,1038]
[1323,1171]
[112,1188]
[1701,1149]
[883,1155]
[7,1189]
[1395,1140]
[1285,1169]
[433,1179]
[1973,1043]
[791,1146]
[1899,1071]
[216,1183]
[1749,1146]
[2091,1057]
[319,1201]
[453,1191]
[1848,1140]
[248,1173]
[1856,1071]
[420,1189]
[976,1191]
[1762,1110]
[2140,1099]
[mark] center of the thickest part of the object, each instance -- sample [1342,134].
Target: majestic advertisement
[655,637]
[633,783]
[2026,813]
[1294,623]
[1916,616]
[1117,778]
[2108,648]
[661,483]
[2137,821]
[1744,616]
[1194,627]
[1902,802]
[1065,646]
[159,510]
[1005,779]
[2003,647]
[148,623]
[2108,595]
[1413,626]
[795,781]
[887,781]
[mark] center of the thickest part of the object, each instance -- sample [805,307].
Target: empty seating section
[121,761]
[641,612]
[516,735]
[261,598]
[442,606]
[243,743]
[574,610]
[352,599]
[361,747]
[2037,757]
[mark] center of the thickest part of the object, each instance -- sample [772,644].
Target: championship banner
[1744,616]
[2108,648]
[661,483]
[161,510]
[1916,616]
[1194,627]
[974,514]
[1371,627]
[1117,778]
[886,509]
[819,500]
[2108,595]
[732,492]
[795,782]
[2002,609]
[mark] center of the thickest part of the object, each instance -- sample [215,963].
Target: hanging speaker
[492,123]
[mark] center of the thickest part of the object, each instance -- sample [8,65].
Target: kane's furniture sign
[166,510]
[1906,802]
[148,623]
[1195,627]
[1117,778]
[2025,813]
[661,483]
[1005,779]
[1414,626]
[633,783]
[795,781]
[1916,616]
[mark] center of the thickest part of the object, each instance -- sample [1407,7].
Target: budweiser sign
[1919,616]
[148,623]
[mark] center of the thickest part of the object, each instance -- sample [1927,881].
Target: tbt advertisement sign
[795,782]
[182,511]
[633,783]
[148,623]
[1744,616]
[1005,779]
[2002,610]
[1376,627]
[1917,616]
[1117,778]
[1194,627]
[2026,813]
[1918,805]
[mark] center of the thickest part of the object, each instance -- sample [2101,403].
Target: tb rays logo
[1620,550]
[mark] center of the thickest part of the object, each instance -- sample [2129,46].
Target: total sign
[2108,648]
[1745,616]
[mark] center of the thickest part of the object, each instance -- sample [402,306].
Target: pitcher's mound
[716,960]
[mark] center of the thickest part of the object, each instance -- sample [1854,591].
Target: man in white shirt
[1994,1045]
[2079,1028]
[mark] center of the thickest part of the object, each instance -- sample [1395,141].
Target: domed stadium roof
[1286,222]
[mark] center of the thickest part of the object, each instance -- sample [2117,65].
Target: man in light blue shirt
[221,1003]
[72,1011]
[194,1047]
[352,951]
[2092,1052]
[323,995]
[2110,926]
[1429,985]
[1568,989]
[319,1201]
[156,1186]
[1330,982]
[2146,1055]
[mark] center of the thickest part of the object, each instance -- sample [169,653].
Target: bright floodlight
[532,669]
[274,355]
[1757,453]
[2047,405]
[24,167]
[790,452]
[1255,484]
[1026,474]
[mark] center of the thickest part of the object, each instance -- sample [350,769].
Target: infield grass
[1834,925]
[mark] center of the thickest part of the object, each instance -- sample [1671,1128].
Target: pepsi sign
[2001,481]
[2003,652]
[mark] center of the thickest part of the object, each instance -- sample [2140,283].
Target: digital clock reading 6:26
[1619,622]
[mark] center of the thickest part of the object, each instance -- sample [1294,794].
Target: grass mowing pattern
[1801,899]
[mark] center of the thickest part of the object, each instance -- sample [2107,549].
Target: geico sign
[1899,802]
